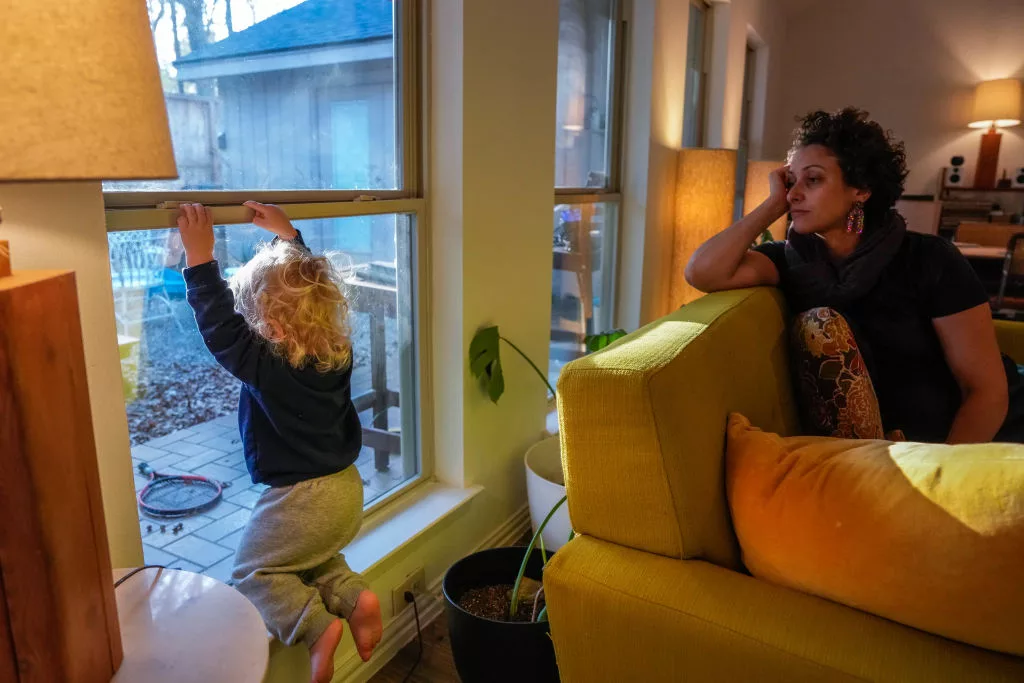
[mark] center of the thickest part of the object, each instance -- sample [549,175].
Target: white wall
[491,174]
[735,23]
[916,78]
[656,81]
[652,133]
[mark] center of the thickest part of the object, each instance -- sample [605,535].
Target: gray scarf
[814,280]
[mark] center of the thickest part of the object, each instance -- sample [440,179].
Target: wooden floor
[436,666]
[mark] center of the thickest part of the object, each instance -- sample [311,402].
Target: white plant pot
[545,486]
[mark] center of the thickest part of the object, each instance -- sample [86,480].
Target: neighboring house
[305,100]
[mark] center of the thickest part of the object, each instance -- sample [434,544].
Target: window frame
[617,73]
[611,193]
[701,111]
[127,210]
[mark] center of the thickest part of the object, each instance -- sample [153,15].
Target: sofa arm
[619,614]
[643,422]
[1010,334]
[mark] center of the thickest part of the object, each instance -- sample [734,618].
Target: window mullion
[408,94]
[141,219]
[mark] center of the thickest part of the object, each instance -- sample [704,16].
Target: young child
[284,334]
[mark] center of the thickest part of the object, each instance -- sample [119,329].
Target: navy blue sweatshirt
[296,424]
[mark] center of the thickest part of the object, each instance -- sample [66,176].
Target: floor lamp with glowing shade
[81,100]
[758,189]
[705,191]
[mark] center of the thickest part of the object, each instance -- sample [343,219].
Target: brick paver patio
[208,541]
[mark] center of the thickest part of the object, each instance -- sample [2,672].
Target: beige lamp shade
[758,189]
[705,191]
[80,93]
[997,103]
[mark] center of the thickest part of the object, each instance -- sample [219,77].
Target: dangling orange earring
[855,219]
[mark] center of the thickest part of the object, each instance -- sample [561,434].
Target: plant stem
[514,607]
[535,368]
[536,603]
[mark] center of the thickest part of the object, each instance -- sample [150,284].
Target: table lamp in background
[997,104]
[81,100]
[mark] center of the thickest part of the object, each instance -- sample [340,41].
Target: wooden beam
[380,440]
[365,401]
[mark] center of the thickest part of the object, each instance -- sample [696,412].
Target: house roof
[313,23]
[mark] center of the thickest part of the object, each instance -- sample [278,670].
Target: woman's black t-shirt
[928,278]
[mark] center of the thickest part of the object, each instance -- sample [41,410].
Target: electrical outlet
[413,582]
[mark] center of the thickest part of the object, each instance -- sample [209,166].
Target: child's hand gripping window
[195,225]
[273,218]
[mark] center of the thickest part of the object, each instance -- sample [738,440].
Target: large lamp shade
[705,192]
[80,93]
[997,104]
[758,189]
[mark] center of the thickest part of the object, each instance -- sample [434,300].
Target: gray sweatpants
[288,562]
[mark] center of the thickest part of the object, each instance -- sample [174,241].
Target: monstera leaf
[596,342]
[485,362]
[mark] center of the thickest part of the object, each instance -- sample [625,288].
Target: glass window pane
[586,39]
[693,105]
[277,94]
[182,406]
[582,285]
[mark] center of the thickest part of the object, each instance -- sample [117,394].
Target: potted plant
[497,619]
[545,482]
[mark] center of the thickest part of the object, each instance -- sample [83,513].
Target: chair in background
[1009,303]
[986,234]
[573,253]
[137,262]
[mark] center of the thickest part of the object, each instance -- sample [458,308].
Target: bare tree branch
[160,15]
[227,17]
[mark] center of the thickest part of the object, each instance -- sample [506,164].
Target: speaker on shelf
[1017,177]
[955,174]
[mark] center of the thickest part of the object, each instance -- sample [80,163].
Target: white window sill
[392,527]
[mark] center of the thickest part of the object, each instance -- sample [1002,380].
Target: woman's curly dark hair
[868,155]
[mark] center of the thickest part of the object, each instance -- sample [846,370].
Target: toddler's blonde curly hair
[303,294]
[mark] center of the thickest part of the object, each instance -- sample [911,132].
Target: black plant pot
[488,651]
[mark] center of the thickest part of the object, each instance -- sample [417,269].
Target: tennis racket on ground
[177,495]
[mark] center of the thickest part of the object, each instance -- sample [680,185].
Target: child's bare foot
[321,655]
[366,625]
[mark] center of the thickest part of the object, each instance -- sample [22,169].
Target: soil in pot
[494,602]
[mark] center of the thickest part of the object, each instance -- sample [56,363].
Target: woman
[884,312]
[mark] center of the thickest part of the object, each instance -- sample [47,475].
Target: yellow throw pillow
[928,535]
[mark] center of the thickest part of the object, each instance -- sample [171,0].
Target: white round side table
[182,627]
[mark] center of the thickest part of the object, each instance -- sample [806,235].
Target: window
[277,94]
[586,171]
[695,96]
[313,105]
[746,112]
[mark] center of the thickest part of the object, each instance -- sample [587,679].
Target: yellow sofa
[653,588]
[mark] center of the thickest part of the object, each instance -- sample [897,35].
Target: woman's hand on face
[778,189]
